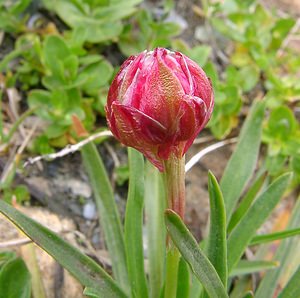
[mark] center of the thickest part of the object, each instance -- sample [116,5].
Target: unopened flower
[158,103]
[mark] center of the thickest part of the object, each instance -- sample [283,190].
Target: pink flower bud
[158,103]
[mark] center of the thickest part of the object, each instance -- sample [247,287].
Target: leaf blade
[217,244]
[108,213]
[242,162]
[246,202]
[292,288]
[15,279]
[288,256]
[259,239]
[248,267]
[154,212]
[254,218]
[194,256]
[90,273]
[134,225]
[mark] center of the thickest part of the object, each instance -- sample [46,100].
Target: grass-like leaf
[257,214]
[183,280]
[248,267]
[194,256]
[288,254]
[156,236]
[87,271]
[92,293]
[243,161]
[246,202]
[134,225]
[216,243]
[292,289]
[108,212]
[259,239]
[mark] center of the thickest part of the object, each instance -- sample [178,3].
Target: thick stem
[175,184]
[175,192]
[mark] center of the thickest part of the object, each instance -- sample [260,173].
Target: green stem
[175,184]
[175,193]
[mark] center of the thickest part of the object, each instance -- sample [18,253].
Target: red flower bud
[158,103]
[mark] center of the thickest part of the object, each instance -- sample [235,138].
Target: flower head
[158,103]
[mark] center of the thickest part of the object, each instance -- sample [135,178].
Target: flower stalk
[175,184]
[175,191]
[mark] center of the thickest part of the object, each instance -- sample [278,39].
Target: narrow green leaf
[90,292]
[259,239]
[248,267]
[183,280]
[134,225]
[246,202]
[15,280]
[194,256]
[156,235]
[216,242]
[292,289]
[88,272]
[288,254]
[257,214]
[108,212]
[243,161]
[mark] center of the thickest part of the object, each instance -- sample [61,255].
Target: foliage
[64,69]
[15,279]
[209,268]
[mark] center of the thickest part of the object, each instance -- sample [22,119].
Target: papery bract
[158,103]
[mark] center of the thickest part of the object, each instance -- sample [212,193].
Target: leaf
[216,243]
[242,162]
[156,235]
[134,225]
[55,51]
[15,279]
[183,280]
[194,256]
[259,239]
[248,267]
[288,255]
[108,212]
[101,23]
[282,123]
[90,292]
[257,214]
[71,67]
[248,77]
[246,202]
[200,54]
[40,99]
[98,74]
[6,256]
[19,6]
[280,31]
[292,289]
[87,272]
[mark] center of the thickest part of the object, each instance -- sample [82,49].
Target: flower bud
[158,103]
